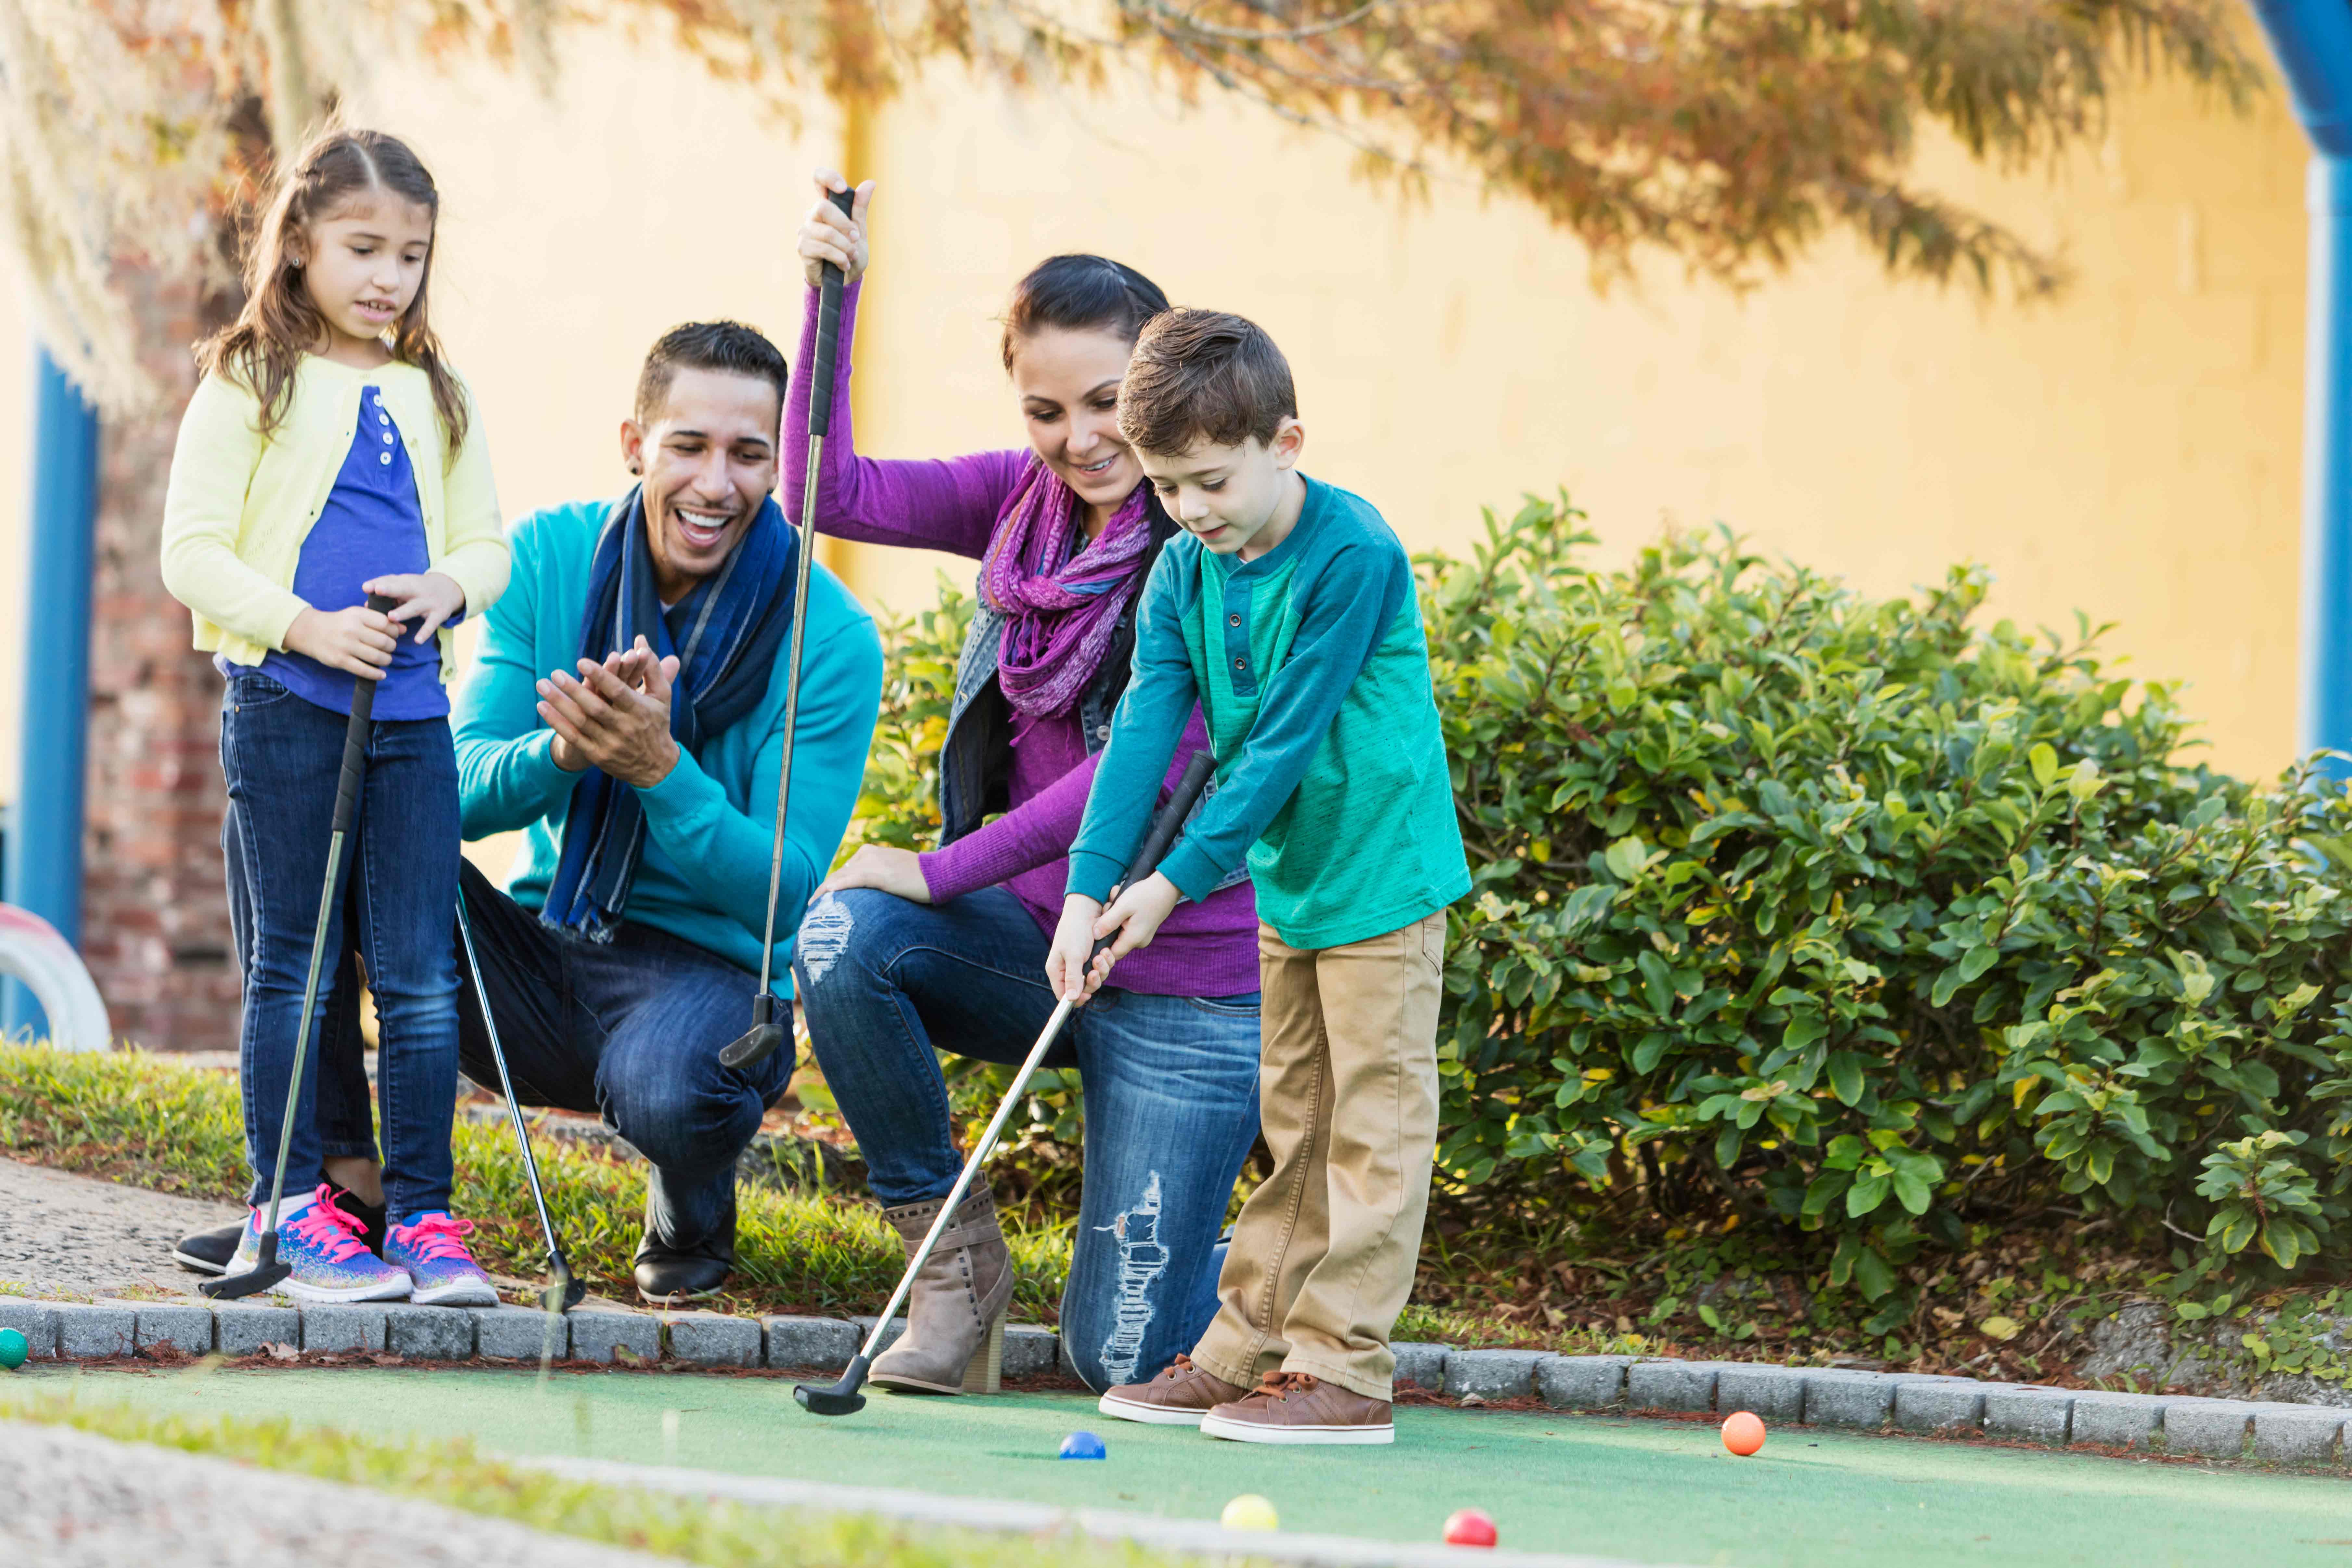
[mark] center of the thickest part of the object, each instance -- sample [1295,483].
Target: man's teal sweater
[1311,668]
[704,878]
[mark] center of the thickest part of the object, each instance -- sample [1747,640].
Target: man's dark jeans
[630,1028]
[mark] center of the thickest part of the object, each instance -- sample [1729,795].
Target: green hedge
[1850,921]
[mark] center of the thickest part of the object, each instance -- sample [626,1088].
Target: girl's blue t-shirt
[372,526]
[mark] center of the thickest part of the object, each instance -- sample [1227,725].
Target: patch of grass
[147,1121]
[697,1530]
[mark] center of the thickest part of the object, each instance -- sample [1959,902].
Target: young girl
[330,453]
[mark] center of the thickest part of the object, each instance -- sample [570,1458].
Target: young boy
[1286,611]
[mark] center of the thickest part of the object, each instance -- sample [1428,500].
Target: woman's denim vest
[976,759]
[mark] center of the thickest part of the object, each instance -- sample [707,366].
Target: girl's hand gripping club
[842,1398]
[762,1040]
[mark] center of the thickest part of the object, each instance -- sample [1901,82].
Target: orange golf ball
[1743,1434]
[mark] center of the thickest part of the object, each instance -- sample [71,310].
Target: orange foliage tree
[1732,134]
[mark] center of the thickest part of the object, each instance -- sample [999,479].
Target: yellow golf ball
[1249,1512]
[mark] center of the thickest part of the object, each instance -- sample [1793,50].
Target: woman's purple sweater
[953,503]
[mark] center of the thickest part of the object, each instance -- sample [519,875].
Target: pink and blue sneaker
[327,1249]
[431,1250]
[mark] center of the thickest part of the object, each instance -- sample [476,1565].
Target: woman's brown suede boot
[954,1342]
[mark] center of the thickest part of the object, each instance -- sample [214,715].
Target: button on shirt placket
[1237,634]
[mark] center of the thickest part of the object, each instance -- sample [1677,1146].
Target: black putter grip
[828,334]
[355,734]
[1165,824]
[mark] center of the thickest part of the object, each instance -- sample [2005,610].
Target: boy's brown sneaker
[1293,1408]
[1179,1396]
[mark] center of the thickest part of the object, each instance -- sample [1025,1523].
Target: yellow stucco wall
[2131,450]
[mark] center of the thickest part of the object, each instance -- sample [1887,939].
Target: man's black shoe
[209,1251]
[665,1279]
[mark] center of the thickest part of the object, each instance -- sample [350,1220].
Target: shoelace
[1283,1385]
[1182,1365]
[440,1237]
[329,1228]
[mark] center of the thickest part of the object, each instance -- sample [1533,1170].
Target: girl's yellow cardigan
[238,507]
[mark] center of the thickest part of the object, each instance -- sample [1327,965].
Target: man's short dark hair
[1204,376]
[728,346]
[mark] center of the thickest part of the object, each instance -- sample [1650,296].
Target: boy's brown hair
[1204,376]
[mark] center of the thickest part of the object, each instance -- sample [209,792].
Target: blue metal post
[2326,706]
[44,862]
[2313,41]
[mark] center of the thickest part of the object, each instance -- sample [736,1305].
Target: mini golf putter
[842,1398]
[562,1291]
[266,1272]
[766,1035]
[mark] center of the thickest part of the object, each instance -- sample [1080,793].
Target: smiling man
[626,713]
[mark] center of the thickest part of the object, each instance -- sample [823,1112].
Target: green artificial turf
[1653,1491]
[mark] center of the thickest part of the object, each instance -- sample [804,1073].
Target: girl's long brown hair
[263,348]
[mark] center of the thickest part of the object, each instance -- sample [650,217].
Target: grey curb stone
[429,1333]
[91,1332]
[1421,1363]
[1030,1350]
[2029,1414]
[186,1328]
[711,1339]
[1839,1398]
[1583,1382]
[2117,1420]
[2216,1428]
[1491,1374]
[864,1326]
[1773,1392]
[37,1322]
[1671,1385]
[2296,1434]
[598,1336]
[349,1326]
[242,1331]
[824,1344]
[519,1333]
[1926,1406]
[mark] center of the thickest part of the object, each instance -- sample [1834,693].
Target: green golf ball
[13,1349]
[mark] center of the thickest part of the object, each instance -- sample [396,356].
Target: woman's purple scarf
[1060,609]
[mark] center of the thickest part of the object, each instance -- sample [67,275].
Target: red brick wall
[154,912]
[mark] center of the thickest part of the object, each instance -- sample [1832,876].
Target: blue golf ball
[1081,1446]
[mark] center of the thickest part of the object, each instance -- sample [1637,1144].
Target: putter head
[834,1398]
[751,1047]
[266,1274]
[563,1292]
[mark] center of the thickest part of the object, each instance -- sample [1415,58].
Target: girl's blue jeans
[393,904]
[1170,1086]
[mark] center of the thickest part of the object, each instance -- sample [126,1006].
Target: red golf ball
[1469,1527]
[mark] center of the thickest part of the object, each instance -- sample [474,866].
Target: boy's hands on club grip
[1135,917]
[358,641]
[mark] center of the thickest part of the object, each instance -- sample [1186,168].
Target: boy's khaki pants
[1322,1257]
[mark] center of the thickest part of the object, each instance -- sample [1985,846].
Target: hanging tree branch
[1732,134]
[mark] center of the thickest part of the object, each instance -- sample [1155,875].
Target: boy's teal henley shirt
[1311,668]
[704,878]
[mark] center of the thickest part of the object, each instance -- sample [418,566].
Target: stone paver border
[2311,1435]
